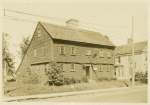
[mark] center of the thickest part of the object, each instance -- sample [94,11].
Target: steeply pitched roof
[128,48]
[78,35]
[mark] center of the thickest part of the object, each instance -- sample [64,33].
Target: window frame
[87,53]
[145,57]
[73,67]
[44,49]
[61,50]
[108,53]
[34,52]
[101,68]
[101,55]
[72,51]
[39,33]
[108,68]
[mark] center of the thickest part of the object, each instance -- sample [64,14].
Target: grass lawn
[13,89]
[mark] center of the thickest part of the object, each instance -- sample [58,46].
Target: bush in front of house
[141,76]
[107,79]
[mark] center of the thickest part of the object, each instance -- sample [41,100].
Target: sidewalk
[8,99]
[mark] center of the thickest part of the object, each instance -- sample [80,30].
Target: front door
[88,71]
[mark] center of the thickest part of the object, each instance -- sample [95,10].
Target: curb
[6,99]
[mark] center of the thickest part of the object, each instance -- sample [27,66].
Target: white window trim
[100,54]
[74,67]
[60,50]
[72,50]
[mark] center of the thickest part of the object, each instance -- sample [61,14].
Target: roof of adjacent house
[128,48]
[77,35]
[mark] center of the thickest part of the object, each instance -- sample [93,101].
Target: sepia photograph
[75,51]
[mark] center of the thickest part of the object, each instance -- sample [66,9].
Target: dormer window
[101,54]
[108,54]
[73,51]
[39,32]
[62,50]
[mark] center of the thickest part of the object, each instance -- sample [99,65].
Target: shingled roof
[77,35]
[138,47]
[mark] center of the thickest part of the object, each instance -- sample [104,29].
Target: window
[73,51]
[108,54]
[34,52]
[101,53]
[135,64]
[39,32]
[108,67]
[114,72]
[27,56]
[62,67]
[145,57]
[101,67]
[72,67]
[88,52]
[119,60]
[44,50]
[62,50]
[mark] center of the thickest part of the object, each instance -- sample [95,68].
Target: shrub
[84,79]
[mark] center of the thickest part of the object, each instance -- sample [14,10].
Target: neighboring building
[123,55]
[70,46]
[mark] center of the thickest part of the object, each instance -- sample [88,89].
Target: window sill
[72,70]
[62,54]
[108,57]
[73,55]
[100,71]
[107,71]
[101,57]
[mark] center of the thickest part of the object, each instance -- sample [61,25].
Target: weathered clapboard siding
[78,73]
[37,43]
[81,50]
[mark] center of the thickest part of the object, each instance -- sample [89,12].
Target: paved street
[125,96]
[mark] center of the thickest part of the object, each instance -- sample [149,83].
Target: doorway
[88,72]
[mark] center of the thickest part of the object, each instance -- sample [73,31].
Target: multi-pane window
[34,52]
[44,50]
[108,67]
[101,53]
[72,67]
[39,32]
[88,52]
[62,50]
[108,54]
[101,67]
[73,51]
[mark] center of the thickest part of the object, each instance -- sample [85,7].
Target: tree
[24,46]
[7,60]
[54,73]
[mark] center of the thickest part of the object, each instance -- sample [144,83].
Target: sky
[114,19]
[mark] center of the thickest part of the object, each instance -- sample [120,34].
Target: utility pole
[133,79]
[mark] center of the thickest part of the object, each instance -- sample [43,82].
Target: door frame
[90,72]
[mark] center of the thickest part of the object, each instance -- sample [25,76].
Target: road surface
[118,96]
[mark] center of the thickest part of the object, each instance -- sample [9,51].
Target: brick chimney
[72,23]
[129,41]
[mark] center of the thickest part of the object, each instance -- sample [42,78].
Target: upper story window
[72,67]
[73,51]
[101,54]
[34,52]
[44,50]
[62,50]
[88,52]
[39,32]
[108,54]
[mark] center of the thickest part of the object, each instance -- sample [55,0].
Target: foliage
[7,56]
[107,79]
[141,76]
[24,46]
[54,72]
